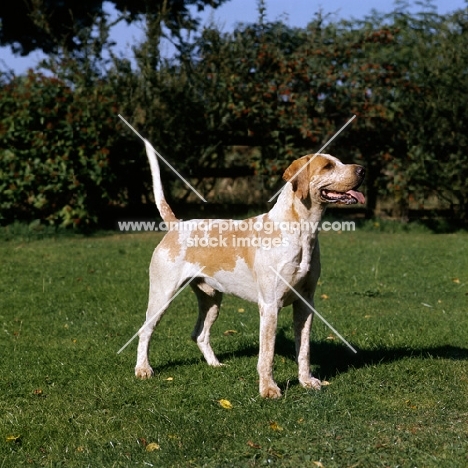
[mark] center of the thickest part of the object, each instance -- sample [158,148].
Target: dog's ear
[299,177]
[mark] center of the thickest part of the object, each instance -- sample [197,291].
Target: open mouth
[347,198]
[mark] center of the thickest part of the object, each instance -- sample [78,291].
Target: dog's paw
[270,391]
[144,372]
[216,364]
[312,382]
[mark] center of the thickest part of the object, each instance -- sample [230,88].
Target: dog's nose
[360,171]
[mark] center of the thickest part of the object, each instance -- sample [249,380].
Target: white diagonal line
[314,311]
[131,127]
[311,159]
[168,164]
[162,308]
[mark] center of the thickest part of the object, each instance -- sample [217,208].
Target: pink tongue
[357,195]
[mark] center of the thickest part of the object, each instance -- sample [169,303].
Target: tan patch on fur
[222,250]
[291,215]
[299,176]
[319,163]
[171,244]
[166,213]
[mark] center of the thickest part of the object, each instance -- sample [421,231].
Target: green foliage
[54,150]
[436,115]
[283,90]
[67,306]
[289,90]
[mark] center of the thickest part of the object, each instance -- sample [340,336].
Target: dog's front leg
[303,317]
[268,321]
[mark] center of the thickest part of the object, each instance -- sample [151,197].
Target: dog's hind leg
[209,301]
[161,293]
[143,369]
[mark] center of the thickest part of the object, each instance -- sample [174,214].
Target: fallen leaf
[241,311]
[319,464]
[226,404]
[152,447]
[275,426]
[456,280]
[410,405]
[12,438]
[229,332]
[324,296]
[325,383]
[253,445]
[275,454]
[38,391]
[331,337]
[367,316]
[169,379]
[80,449]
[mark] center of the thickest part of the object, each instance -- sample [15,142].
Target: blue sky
[293,12]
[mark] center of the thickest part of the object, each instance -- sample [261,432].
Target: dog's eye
[328,167]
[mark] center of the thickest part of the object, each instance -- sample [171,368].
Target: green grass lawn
[67,305]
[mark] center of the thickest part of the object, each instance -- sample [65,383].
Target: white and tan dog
[244,257]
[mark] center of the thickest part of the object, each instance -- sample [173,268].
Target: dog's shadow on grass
[331,358]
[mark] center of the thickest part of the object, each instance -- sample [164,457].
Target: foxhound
[247,258]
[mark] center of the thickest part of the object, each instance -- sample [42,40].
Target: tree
[435,113]
[45,24]
[289,90]
[53,24]
[284,91]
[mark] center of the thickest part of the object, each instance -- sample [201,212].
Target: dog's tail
[163,207]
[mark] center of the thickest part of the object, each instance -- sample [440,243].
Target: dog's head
[326,179]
